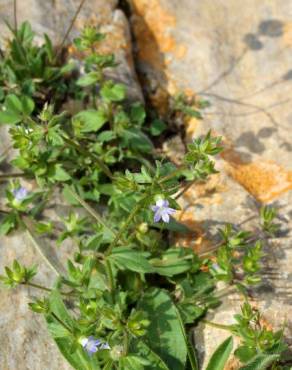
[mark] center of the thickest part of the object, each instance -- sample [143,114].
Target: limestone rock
[239,58]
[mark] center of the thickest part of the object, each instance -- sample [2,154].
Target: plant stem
[173,174]
[90,210]
[110,279]
[185,189]
[61,322]
[191,353]
[5,151]
[216,325]
[70,28]
[39,249]
[221,292]
[34,285]
[37,286]
[10,175]
[126,342]
[135,210]
[102,166]
[15,14]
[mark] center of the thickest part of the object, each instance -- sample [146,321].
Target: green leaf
[9,118]
[59,309]
[13,104]
[57,330]
[78,359]
[143,350]
[138,114]
[260,362]
[221,355]
[60,173]
[245,353]
[27,105]
[174,261]
[90,78]
[190,312]
[49,47]
[175,226]
[157,127]
[132,362]
[113,92]
[90,120]
[164,335]
[7,224]
[106,135]
[137,140]
[16,108]
[69,197]
[127,258]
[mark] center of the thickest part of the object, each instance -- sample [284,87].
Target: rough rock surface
[238,58]
[25,343]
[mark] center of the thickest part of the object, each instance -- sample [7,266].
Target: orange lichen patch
[151,25]
[197,238]
[208,192]
[159,100]
[265,180]
[233,364]
[191,126]
[287,34]
[180,51]
[266,324]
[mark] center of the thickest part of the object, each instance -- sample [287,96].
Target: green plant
[29,70]
[268,215]
[132,294]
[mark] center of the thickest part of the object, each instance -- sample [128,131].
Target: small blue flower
[162,211]
[20,194]
[104,346]
[92,345]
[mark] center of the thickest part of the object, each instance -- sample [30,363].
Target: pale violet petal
[165,217]
[165,203]
[157,216]
[160,203]
[170,211]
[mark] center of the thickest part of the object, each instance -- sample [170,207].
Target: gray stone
[238,58]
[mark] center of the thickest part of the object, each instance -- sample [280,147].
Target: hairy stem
[61,322]
[90,210]
[110,279]
[216,325]
[100,163]
[135,210]
[38,286]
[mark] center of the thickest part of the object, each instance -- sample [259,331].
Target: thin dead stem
[15,14]
[70,28]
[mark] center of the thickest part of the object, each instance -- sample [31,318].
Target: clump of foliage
[129,297]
